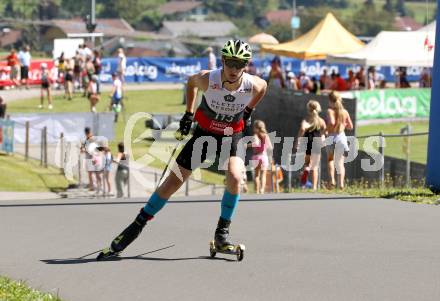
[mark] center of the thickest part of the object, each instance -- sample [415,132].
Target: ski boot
[220,244]
[126,237]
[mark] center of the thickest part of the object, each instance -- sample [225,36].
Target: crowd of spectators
[356,79]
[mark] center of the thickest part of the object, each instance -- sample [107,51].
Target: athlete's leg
[257,178]
[229,202]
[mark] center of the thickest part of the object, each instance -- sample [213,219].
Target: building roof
[109,27]
[173,7]
[10,38]
[203,29]
[406,24]
[280,16]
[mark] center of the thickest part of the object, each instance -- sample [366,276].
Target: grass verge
[18,291]
[20,175]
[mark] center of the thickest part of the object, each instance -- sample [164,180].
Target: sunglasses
[237,64]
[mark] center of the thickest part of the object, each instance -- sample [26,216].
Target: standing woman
[312,129]
[45,86]
[261,146]
[121,178]
[338,120]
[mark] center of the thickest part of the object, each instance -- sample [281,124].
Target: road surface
[298,247]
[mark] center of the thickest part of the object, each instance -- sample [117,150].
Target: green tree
[401,8]
[282,32]
[388,6]
[21,9]
[369,21]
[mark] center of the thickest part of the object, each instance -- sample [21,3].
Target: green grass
[151,101]
[19,291]
[393,148]
[20,175]
[419,195]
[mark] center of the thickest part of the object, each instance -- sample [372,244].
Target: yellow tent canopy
[327,37]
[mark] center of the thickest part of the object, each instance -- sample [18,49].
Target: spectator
[87,148]
[251,68]
[2,108]
[108,160]
[323,79]
[87,73]
[212,60]
[122,172]
[77,69]
[313,129]
[14,65]
[372,78]
[276,77]
[45,86]
[98,166]
[352,81]
[305,83]
[25,61]
[98,67]
[116,96]
[360,76]
[122,65]
[291,82]
[261,147]
[87,51]
[403,80]
[68,78]
[425,78]
[92,93]
[61,69]
[338,120]
[341,85]
[314,86]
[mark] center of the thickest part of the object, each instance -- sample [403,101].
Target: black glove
[247,116]
[184,126]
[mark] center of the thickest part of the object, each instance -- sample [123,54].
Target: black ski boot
[221,236]
[126,237]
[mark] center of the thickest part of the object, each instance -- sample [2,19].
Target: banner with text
[391,103]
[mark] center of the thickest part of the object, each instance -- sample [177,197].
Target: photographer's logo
[229,98]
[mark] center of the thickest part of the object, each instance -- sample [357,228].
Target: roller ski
[220,244]
[125,238]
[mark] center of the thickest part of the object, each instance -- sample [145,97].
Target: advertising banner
[391,103]
[7,135]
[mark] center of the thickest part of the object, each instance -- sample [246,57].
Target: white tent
[393,48]
[429,28]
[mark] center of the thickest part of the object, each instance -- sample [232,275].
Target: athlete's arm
[196,82]
[301,132]
[348,122]
[259,89]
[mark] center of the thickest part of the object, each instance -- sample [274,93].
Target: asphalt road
[300,247]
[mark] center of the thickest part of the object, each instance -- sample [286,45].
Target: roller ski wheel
[237,250]
[107,253]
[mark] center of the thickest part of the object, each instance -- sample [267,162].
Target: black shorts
[68,77]
[24,72]
[45,84]
[186,160]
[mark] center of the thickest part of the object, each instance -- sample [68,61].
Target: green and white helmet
[237,49]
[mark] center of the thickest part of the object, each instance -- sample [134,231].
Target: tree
[401,8]
[388,6]
[21,9]
[282,32]
[369,21]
